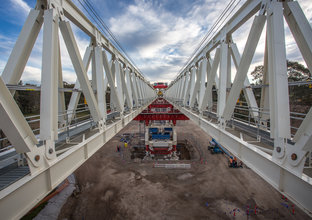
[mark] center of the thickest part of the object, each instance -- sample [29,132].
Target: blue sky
[159,35]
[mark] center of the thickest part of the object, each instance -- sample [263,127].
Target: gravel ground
[111,186]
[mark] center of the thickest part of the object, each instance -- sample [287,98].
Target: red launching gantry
[160,135]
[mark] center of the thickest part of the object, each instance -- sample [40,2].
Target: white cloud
[31,74]
[159,39]
[32,71]
[6,43]
[21,6]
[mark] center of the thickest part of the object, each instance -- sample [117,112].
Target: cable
[110,33]
[87,6]
[210,30]
[103,23]
[107,29]
[216,26]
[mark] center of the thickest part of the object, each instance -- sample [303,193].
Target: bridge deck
[10,172]
[13,174]
[125,187]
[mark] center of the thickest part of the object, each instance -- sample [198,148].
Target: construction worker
[235,162]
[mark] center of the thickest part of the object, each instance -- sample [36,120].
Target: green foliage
[258,74]
[299,96]
[28,101]
[295,72]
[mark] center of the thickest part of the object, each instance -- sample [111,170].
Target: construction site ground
[111,185]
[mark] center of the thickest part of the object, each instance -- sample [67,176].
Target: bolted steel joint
[278,149]
[294,156]
[37,158]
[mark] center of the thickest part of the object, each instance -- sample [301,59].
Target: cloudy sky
[158,35]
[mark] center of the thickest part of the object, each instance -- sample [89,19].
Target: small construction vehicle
[214,147]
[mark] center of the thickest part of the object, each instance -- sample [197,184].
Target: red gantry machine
[160,134]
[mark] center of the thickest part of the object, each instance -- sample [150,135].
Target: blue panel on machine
[161,136]
[153,130]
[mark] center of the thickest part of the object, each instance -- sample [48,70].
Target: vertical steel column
[128,90]
[49,82]
[222,78]
[93,63]
[195,90]
[111,83]
[229,74]
[99,76]
[265,99]
[187,87]
[211,80]
[192,84]
[119,88]
[134,88]
[142,91]
[279,101]
[202,87]
[181,91]
[61,94]
[137,86]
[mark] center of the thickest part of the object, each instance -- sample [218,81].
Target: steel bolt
[37,158]
[294,156]
[50,151]
[278,149]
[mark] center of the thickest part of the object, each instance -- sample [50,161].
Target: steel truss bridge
[49,154]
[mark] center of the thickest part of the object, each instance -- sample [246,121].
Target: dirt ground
[112,186]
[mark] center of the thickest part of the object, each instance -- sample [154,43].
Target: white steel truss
[129,92]
[284,168]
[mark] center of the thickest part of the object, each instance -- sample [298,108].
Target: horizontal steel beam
[159,116]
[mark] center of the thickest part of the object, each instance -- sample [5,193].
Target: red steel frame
[152,115]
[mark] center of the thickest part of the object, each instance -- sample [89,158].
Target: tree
[258,74]
[299,96]
[295,72]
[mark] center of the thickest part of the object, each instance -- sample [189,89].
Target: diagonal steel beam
[251,44]
[80,69]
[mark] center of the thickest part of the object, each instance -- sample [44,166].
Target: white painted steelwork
[284,167]
[173,166]
[130,94]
